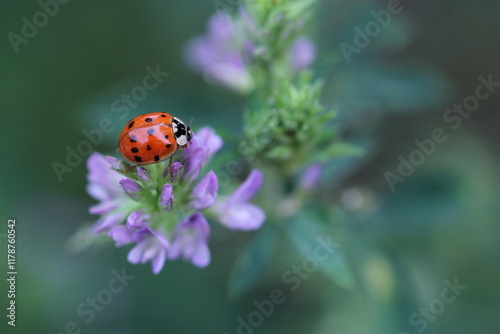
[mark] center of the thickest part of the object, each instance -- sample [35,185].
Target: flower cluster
[224,54]
[161,208]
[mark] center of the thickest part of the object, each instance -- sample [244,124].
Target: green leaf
[307,236]
[84,239]
[280,152]
[339,150]
[254,260]
[298,9]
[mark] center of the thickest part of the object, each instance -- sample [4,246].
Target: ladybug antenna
[190,131]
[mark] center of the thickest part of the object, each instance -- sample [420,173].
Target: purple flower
[167,196]
[235,212]
[302,53]
[137,204]
[224,54]
[122,235]
[190,240]
[103,207]
[218,55]
[137,219]
[204,145]
[310,177]
[104,185]
[103,182]
[194,157]
[142,174]
[175,171]
[130,187]
[113,162]
[151,246]
[108,221]
[208,139]
[205,193]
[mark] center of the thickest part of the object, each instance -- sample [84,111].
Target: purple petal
[205,193]
[205,50]
[158,262]
[201,257]
[221,28]
[122,235]
[219,53]
[137,219]
[151,246]
[197,223]
[142,174]
[208,139]
[151,250]
[175,250]
[190,240]
[310,177]
[142,234]
[194,159]
[102,180]
[241,216]
[106,222]
[103,208]
[113,162]
[199,54]
[249,188]
[302,53]
[167,196]
[130,187]
[175,170]
[98,191]
[230,74]
[147,232]
[135,254]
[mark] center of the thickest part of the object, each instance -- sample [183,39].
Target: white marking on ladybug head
[182,133]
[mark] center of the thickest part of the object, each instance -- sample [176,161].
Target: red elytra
[152,138]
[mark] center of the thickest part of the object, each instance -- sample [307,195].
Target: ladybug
[154,137]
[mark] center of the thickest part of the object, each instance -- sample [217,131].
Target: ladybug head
[182,133]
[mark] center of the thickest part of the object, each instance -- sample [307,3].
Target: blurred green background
[442,223]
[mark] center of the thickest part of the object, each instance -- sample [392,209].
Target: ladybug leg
[170,166]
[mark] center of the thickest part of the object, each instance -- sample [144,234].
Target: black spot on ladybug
[181,131]
[138,159]
[166,136]
[148,119]
[148,147]
[131,124]
[168,145]
[133,139]
[163,115]
[157,157]
[135,150]
[151,131]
